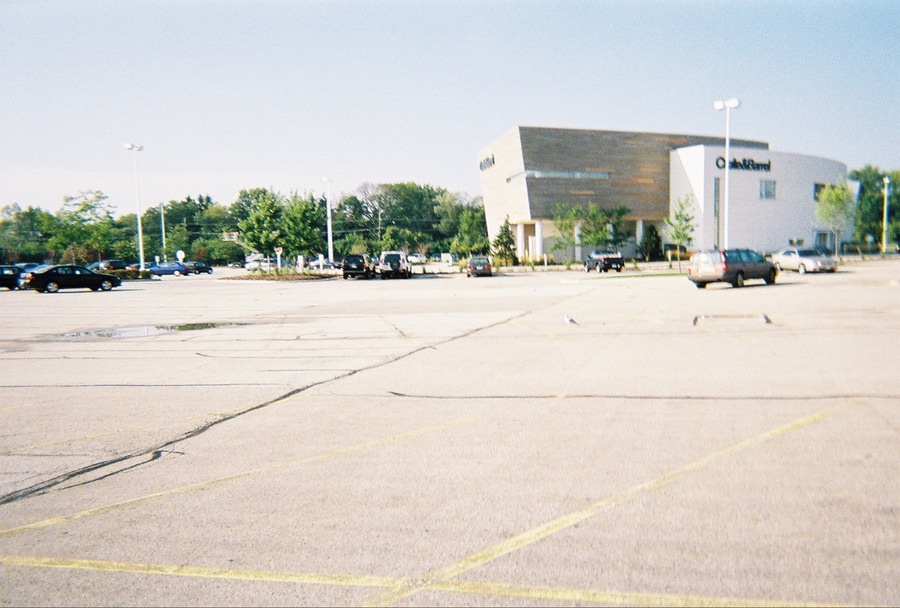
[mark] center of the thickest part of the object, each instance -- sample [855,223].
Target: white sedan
[804,260]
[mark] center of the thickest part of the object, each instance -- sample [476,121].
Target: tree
[651,244]
[681,225]
[566,219]
[83,228]
[304,225]
[471,235]
[869,203]
[835,210]
[504,245]
[262,229]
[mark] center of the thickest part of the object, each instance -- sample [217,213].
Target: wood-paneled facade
[529,171]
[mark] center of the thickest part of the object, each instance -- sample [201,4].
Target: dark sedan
[478,266]
[198,268]
[176,268]
[68,276]
[9,276]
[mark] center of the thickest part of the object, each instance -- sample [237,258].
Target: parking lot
[453,441]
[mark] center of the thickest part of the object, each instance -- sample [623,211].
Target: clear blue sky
[226,95]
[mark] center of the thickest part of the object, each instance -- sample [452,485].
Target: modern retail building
[530,172]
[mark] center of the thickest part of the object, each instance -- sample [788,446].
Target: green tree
[304,225]
[681,225]
[869,203]
[262,228]
[471,234]
[504,245]
[651,244]
[835,210]
[23,233]
[83,228]
[565,219]
[619,234]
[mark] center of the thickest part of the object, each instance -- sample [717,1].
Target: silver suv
[393,264]
[730,266]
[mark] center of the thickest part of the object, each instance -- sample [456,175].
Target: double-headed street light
[137,148]
[726,105]
[884,227]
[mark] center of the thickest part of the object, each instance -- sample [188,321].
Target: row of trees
[405,216]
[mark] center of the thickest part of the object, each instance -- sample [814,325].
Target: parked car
[324,264]
[9,277]
[164,268]
[68,276]
[261,265]
[26,266]
[478,266]
[416,258]
[357,265]
[393,264]
[113,265]
[198,268]
[804,260]
[732,266]
[602,261]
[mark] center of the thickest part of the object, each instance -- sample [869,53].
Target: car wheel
[770,278]
[177,273]
[587,268]
[106,285]
[739,280]
[700,285]
[618,269]
[11,287]
[802,269]
[52,287]
[778,266]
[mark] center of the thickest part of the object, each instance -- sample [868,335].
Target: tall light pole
[887,183]
[137,188]
[726,105]
[328,216]
[162,226]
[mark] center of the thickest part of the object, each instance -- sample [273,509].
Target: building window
[767,189]
[568,174]
[817,189]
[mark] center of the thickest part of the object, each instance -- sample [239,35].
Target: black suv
[357,265]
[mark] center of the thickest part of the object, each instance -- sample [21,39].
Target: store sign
[746,164]
[487,163]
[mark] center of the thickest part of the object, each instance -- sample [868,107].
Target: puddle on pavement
[136,332]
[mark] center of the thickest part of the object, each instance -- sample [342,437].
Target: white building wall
[754,222]
[500,163]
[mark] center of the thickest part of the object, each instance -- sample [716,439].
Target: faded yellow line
[211,482]
[603,597]
[575,596]
[195,572]
[470,562]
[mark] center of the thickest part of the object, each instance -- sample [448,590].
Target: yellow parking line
[53,521]
[575,596]
[191,571]
[603,597]
[470,562]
